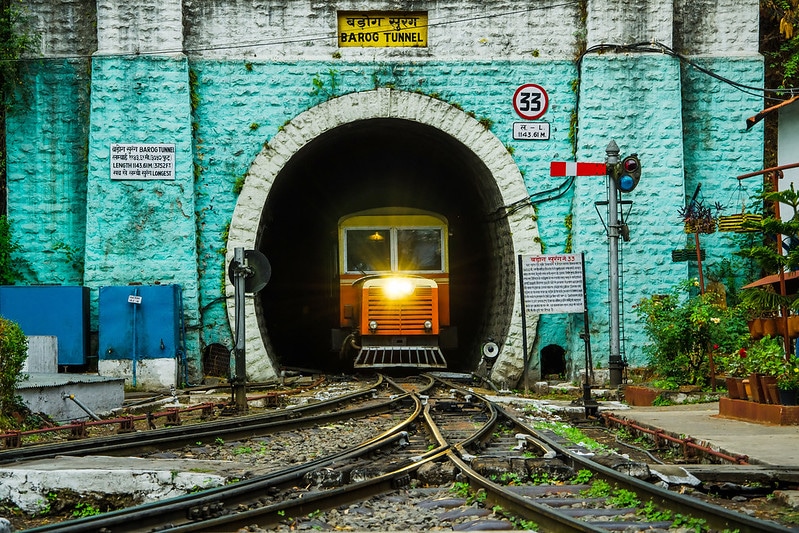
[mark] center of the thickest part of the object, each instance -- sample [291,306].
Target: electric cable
[293,39]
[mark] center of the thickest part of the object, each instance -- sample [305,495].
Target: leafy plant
[583,476]
[8,273]
[599,489]
[684,327]
[13,353]
[83,510]
[623,498]
[571,433]
[460,488]
[699,218]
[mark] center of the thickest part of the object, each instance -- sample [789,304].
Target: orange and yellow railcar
[393,288]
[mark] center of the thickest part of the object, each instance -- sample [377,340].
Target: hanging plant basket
[736,222]
[686,254]
[700,225]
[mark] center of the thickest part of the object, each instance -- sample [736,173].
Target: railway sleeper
[624,465]
[521,468]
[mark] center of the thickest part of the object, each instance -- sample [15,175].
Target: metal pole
[614,363]
[525,356]
[240,381]
[589,404]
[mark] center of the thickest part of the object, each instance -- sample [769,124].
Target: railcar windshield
[368,250]
[394,249]
[419,249]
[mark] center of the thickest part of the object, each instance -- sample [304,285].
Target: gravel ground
[423,509]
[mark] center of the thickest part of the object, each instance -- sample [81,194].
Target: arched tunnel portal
[310,175]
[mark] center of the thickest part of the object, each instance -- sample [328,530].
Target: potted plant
[686,330]
[765,361]
[762,307]
[698,218]
[788,381]
[736,366]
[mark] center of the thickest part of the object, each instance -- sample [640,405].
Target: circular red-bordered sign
[530,101]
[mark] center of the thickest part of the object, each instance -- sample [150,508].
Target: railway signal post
[615,363]
[249,272]
[623,176]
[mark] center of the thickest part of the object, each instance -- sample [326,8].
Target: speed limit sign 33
[530,101]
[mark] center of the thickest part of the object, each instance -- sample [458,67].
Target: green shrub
[8,274]
[13,352]
[685,327]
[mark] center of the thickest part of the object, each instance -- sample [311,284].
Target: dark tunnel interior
[364,165]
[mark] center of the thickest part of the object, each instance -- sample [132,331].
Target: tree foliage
[779,42]
[13,352]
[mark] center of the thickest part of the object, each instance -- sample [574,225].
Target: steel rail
[13,439]
[717,517]
[232,428]
[272,515]
[482,434]
[685,442]
[547,518]
[148,516]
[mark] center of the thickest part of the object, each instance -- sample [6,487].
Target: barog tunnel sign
[382,28]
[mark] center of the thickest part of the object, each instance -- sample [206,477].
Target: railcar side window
[368,250]
[419,249]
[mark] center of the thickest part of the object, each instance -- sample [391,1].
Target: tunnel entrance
[377,149]
[364,165]
[553,362]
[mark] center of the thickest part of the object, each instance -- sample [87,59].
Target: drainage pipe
[686,443]
[80,404]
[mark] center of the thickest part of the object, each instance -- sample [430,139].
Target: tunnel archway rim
[381,103]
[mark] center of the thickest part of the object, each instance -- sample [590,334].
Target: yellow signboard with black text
[380,29]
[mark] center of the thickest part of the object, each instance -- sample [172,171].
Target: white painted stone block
[147,373]
[42,355]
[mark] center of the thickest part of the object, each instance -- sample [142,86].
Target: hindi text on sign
[382,29]
[553,283]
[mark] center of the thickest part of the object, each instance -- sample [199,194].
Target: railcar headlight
[396,288]
[428,325]
[373,325]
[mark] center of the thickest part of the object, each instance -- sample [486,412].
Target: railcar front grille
[401,317]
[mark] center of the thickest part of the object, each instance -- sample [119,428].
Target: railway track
[530,478]
[373,398]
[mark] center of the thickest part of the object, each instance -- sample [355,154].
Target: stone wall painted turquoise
[252,68]
[241,107]
[47,144]
[142,231]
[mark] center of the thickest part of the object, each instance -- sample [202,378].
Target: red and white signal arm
[530,101]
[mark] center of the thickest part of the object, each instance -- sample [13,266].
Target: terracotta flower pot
[757,393]
[732,388]
[767,384]
[770,327]
[793,326]
[755,328]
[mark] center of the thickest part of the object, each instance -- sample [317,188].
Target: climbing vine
[15,41]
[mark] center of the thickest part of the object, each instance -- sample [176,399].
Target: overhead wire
[638,47]
[653,47]
[294,39]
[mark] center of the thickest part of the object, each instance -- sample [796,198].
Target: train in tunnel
[394,290]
